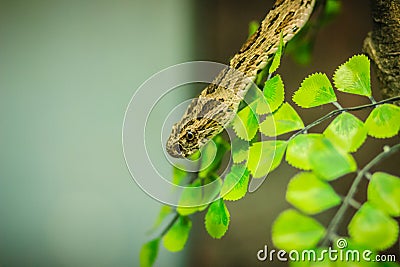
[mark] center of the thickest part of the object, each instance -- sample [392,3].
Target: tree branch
[338,111]
[383,45]
[332,228]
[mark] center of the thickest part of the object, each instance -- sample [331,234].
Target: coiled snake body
[218,103]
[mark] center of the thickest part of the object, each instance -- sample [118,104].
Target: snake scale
[207,115]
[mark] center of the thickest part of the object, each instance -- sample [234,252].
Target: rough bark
[383,45]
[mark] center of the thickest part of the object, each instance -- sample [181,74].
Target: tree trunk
[383,45]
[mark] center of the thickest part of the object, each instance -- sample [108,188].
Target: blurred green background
[68,69]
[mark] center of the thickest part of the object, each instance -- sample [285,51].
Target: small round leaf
[276,61]
[148,253]
[315,90]
[236,183]
[240,150]
[347,132]
[310,194]
[175,239]
[273,95]
[265,157]
[353,76]
[190,200]
[383,121]
[329,162]
[245,123]
[217,219]
[373,228]
[384,192]
[284,120]
[299,148]
[292,230]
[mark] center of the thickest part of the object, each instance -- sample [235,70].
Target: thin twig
[194,175]
[331,230]
[170,224]
[355,204]
[339,111]
[337,105]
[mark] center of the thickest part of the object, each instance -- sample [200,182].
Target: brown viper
[218,103]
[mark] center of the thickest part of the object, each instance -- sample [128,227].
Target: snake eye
[189,136]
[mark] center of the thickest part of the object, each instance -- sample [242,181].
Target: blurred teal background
[68,69]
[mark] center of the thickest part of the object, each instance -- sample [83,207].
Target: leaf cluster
[321,158]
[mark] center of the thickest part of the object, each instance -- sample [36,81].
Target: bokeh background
[68,69]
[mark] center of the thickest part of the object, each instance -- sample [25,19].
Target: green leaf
[191,199]
[299,149]
[265,157]
[329,162]
[373,228]
[164,212]
[384,121]
[208,156]
[211,162]
[300,50]
[389,264]
[274,95]
[197,195]
[253,26]
[384,193]
[283,121]
[175,239]
[236,183]
[245,124]
[353,76]
[332,8]
[217,219]
[240,150]
[310,194]
[294,231]
[178,175]
[347,132]
[348,247]
[301,45]
[315,90]
[148,253]
[277,57]
[261,76]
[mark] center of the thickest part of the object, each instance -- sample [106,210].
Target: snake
[216,106]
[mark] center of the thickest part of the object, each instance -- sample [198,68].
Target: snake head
[203,119]
[183,141]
